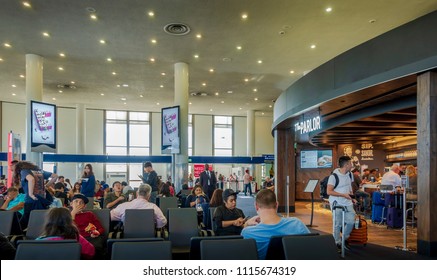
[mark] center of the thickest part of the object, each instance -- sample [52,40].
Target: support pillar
[80,136]
[250,133]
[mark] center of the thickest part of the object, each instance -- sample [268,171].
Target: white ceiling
[278,32]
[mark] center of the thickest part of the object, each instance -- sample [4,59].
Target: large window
[127,133]
[222,136]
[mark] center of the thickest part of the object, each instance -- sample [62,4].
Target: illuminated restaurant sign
[308,125]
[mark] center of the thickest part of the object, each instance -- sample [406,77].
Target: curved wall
[408,49]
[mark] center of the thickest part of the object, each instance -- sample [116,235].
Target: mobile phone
[247,218]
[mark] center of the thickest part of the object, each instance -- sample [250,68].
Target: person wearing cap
[150,177]
[208,181]
[88,224]
[126,188]
[228,218]
[114,198]
[141,202]
[267,223]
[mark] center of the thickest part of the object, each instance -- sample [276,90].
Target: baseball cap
[227,193]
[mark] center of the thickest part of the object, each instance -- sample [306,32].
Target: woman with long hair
[216,199]
[88,181]
[59,226]
[31,179]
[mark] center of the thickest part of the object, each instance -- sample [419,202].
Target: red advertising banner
[198,168]
[14,153]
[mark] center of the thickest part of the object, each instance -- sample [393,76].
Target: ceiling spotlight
[102,94]
[161,86]
[240,108]
[157,103]
[14,94]
[21,76]
[46,34]
[124,103]
[7,45]
[152,59]
[114,73]
[93,17]
[199,36]
[141,95]
[216,94]
[256,99]
[270,106]
[328,10]
[109,59]
[262,113]
[244,16]
[190,103]
[72,82]
[125,85]
[123,99]
[204,84]
[153,41]
[53,98]
[260,61]
[61,68]
[196,56]
[1,59]
[102,42]
[60,91]
[151,14]
[230,91]
[211,70]
[255,90]
[62,54]
[239,47]
[313,46]
[223,102]
[210,110]
[291,72]
[27,4]
[14,86]
[163,73]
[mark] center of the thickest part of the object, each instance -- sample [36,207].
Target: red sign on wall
[198,168]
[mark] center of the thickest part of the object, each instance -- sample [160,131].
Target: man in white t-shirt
[340,194]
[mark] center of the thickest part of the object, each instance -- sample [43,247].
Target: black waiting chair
[138,223]
[6,219]
[275,250]
[48,250]
[229,249]
[195,243]
[182,225]
[158,250]
[317,247]
[166,203]
[110,242]
[36,223]
[211,211]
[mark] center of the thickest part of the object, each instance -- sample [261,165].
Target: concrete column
[80,135]
[180,161]
[427,163]
[34,84]
[250,133]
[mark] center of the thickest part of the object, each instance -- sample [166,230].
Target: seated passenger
[14,201]
[114,198]
[268,223]
[268,184]
[59,226]
[196,199]
[228,218]
[141,202]
[216,199]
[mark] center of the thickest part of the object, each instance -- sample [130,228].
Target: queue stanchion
[404,187]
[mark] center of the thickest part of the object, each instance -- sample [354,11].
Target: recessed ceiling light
[141,95]
[60,91]
[240,108]
[230,91]
[246,80]
[239,47]
[102,41]
[46,34]
[118,85]
[255,90]
[196,56]
[210,110]
[151,14]
[223,102]
[60,68]
[152,59]
[190,103]
[256,99]
[161,86]
[21,76]
[163,73]
[157,103]
[124,103]
[217,94]
[262,113]
[93,17]
[125,85]
[53,98]
[211,70]
[102,94]
[153,41]
[14,86]
[1,59]
[114,73]
[7,45]
[13,94]
[123,98]
[27,4]
[313,46]
[204,84]
[270,106]
[198,36]
[260,61]
[72,82]
[109,59]
[328,10]
[291,72]
[384,143]
[62,54]
[244,16]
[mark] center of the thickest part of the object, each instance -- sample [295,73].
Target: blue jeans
[247,186]
[349,219]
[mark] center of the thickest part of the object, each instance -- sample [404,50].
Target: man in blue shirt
[268,223]
[14,201]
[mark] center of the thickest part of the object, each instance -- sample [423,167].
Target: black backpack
[324,184]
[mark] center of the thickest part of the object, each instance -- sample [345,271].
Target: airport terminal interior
[269,95]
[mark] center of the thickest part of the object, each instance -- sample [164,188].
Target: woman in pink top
[59,226]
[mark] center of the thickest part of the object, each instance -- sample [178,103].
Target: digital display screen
[170,138]
[316,159]
[43,135]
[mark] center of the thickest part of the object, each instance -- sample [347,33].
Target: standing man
[208,181]
[150,177]
[339,190]
[247,183]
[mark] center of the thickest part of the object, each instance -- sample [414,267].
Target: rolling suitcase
[377,213]
[343,210]
[378,198]
[359,235]
[394,218]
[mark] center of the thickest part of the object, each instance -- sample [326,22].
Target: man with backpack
[340,190]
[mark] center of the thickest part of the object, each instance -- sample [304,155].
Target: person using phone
[228,218]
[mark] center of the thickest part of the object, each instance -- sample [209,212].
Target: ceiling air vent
[66,86]
[177,29]
[199,93]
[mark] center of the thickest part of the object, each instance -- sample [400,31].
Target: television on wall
[43,127]
[170,136]
[316,159]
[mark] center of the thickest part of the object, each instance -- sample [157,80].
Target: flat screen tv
[316,159]
[170,136]
[43,127]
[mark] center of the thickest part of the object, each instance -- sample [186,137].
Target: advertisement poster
[170,130]
[43,124]
[316,159]
[198,168]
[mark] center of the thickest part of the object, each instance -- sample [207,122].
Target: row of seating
[294,247]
